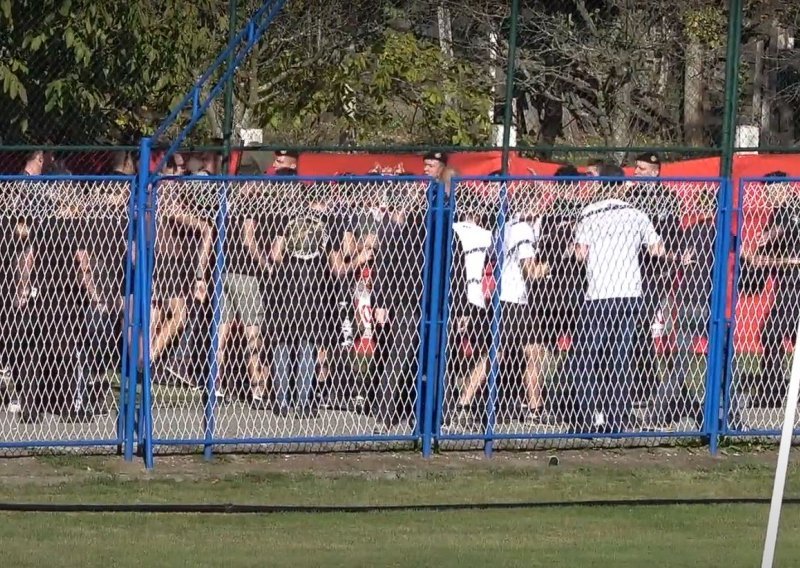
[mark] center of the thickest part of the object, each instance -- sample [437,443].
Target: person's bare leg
[170,327]
[223,333]
[156,322]
[535,356]
[475,381]
[256,370]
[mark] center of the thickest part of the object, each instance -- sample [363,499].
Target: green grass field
[722,536]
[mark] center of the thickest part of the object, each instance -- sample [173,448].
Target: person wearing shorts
[183,250]
[519,330]
[241,302]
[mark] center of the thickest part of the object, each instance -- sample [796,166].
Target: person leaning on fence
[778,253]
[608,238]
[663,207]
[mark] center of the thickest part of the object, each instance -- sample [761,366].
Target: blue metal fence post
[719,336]
[449,217]
[138,257]
[129,334]
[210,399]
[433,315]
[716,332]
[494,349]
[735,246]
[423,352]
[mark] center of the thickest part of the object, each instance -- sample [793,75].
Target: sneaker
[221,399]
[532,416]
[357,405]
[14,406]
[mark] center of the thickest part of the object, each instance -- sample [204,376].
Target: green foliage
[706,24]
[398,88]
[80,70]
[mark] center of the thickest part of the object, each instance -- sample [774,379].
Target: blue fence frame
[737,206]
[428,331]
[717,333]
[134,432]
[122,437]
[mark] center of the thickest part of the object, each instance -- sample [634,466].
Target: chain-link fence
[64,258]
[360,311]
[287,310]
[590,315]
[766,307]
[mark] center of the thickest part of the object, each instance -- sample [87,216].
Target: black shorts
[523,325]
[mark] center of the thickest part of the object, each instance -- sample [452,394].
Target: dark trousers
[781,324]
[397,362]
[672,401]
[601,362]
[644,366]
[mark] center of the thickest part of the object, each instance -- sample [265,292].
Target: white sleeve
[649,235]
[582,233]
[524,239]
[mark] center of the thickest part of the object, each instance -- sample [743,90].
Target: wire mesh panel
[767,306]
[287,310]
[64,249]
[595,296]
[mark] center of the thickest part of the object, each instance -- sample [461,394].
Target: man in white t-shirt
[519,266]
[609,236]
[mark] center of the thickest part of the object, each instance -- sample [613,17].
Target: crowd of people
[270,279]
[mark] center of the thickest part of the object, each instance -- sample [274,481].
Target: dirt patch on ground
[56,470]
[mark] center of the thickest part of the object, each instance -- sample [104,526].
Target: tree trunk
[785,108]
[770,88]
[693,94]
[621,118]
[445,32]
[758,82]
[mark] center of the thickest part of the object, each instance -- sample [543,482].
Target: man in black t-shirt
[779,250]
[102,256]
[51,300]
[663,208]
[247,260]
[672,400]
[298,297]
[397,296]
[351,229]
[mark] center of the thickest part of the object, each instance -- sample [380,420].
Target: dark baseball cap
[650,158]
[288,153]
[438,156]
